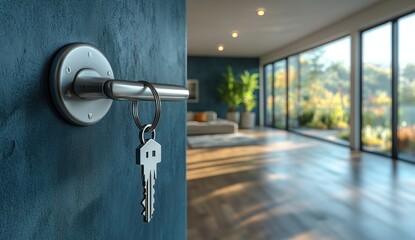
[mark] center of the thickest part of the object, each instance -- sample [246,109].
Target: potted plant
[230,93]
[249,83]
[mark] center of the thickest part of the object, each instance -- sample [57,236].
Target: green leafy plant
[249,83]
[229,90]
[316,124]
[306,117]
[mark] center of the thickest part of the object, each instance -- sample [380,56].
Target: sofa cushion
[219,126]
[200,117]
[211,116]
[190,116]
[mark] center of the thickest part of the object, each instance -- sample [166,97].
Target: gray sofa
[213,125]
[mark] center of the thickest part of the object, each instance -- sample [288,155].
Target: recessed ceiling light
[221,47]
[235,34]
[260,11]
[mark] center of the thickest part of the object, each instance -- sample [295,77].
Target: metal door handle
[101,88]
[83,88]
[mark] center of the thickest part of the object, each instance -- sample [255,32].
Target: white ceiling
[210,22]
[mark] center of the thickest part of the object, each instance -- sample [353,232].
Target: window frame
[394,76]
[361,147]
[394,82]
[287,126]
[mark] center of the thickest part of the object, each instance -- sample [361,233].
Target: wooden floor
[293,187]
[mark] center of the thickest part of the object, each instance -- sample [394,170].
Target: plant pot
[233,116]
[248,120]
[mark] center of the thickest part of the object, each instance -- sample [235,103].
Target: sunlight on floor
[292,187]
[204,163]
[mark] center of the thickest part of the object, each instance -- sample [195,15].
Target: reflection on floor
[293,187]
[332,135]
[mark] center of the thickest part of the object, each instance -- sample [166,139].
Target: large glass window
[268,94]
[376,132]
[322,91]
[293,91]
[406,88]
[280,87]
[319,90]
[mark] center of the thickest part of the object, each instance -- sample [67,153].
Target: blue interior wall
[209,71]
[60,181]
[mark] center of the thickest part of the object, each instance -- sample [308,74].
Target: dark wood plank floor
[293,187]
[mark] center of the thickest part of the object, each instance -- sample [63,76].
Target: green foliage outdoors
[234,91]
[249,83]
[319,98]
[377,102]
[230,90]
[406,95]
[378,137]
[319,94]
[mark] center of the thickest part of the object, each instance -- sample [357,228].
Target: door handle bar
[83,89]
[102,88]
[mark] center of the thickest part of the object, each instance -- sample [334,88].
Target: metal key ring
[157,111]
[143,140]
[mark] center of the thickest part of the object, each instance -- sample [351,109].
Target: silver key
[148,155]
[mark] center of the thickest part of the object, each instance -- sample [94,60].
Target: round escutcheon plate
[68,62]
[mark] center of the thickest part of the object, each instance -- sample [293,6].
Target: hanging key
[148,156]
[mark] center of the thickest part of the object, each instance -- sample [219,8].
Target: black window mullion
[273,94]
[360,89]
[266,96]
[287,117]
[264,71]
[395,78]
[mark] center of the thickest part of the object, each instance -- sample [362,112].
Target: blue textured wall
[60,181]
[209,71]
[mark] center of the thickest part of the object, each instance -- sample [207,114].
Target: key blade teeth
[149,194]
[144,206]
[152,182]
[144,200]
